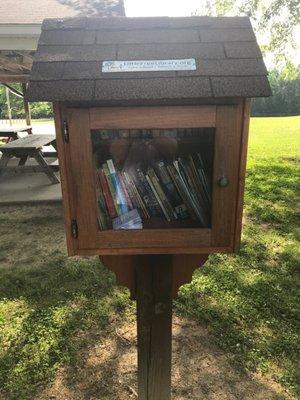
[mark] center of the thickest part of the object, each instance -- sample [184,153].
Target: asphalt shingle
[170,50]
[68,63]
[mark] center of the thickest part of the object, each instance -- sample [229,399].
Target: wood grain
[226,164]
[154,326]
[67,186]
[242,172]
[123,266]
[83,177]
[153,117]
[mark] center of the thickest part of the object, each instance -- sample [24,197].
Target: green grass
[249,302]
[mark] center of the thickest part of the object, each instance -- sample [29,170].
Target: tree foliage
[275,20]
[38,110]
[286,95]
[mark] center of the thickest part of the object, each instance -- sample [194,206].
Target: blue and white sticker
[186,64]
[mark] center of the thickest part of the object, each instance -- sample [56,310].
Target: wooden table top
[30,142]
[14,129]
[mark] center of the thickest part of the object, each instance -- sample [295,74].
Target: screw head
[223,181]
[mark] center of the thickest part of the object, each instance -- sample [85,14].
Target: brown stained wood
[184,265]
[226,164]
[154,250]
[26,106]
[153,117]
[190,240]
[154,326]
[146,239]
[30,142]
[124,269]
[63,153]
[242,172]
[45,167]
[83,177]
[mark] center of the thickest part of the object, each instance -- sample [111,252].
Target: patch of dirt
[107,369]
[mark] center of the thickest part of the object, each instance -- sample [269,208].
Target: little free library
[152,118]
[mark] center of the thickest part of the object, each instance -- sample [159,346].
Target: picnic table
[24,148]
[11,132]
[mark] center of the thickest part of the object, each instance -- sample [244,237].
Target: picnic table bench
[11,132]
[24,148]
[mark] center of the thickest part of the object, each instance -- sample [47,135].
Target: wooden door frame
[227,119]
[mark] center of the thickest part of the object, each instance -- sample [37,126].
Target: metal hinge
[66,136]
[74,229]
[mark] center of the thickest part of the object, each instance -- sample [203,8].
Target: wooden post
[154,326]
[8,106]
[26,107]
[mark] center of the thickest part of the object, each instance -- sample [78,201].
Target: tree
[275,20]
[38,110]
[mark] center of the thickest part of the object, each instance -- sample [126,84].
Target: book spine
[200,184]
[158,198]
[189,192]
[128,200]
[107,195]
[145,191]
[121,199]
[170,190]
[179,185]
[167,205]
[102,215]
[111,188]
[136,195]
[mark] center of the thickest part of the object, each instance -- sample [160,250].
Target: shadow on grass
[250,301]
[56,300]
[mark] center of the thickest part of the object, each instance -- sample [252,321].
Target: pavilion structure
[20,28]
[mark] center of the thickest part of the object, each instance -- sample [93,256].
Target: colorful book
[136,196]
[168,218]
[162,196]
[170,190]
[191,196]
[181,190]
[125,191]
[120,195]
[107,194]
[145,191]
[129,220]
[102,214]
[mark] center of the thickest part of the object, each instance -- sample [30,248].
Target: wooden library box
[152,118]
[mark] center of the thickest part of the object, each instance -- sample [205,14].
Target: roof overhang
[19,36]
[17,44]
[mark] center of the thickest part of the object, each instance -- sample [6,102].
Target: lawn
[66,332]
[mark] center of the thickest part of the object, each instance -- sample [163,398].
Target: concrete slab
[27,187]
[19,187]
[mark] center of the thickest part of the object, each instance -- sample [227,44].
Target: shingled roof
[68,62]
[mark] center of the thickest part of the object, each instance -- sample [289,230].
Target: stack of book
[177,190]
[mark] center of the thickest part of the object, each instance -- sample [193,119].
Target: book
[129,220]
[107,194]
[136,198]
[170,190]
[181,190]
[125,191]
[168,218]
[190,195]
[166,205]
[145,191]
[120,195]
[111,188]
[102,214]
